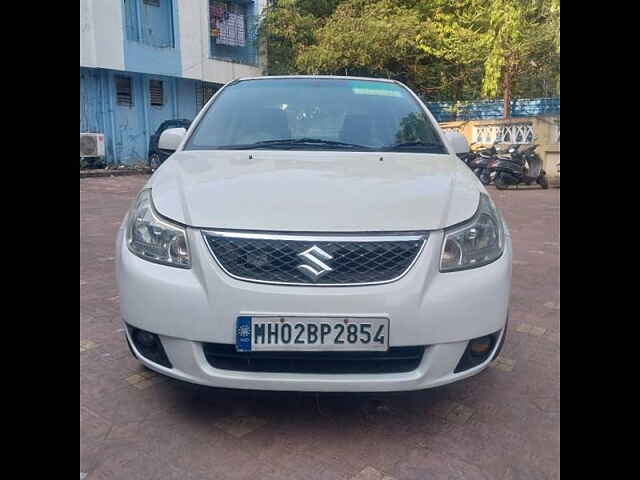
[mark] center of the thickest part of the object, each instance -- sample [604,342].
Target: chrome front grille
[315,259]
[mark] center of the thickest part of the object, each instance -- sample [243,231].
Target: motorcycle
[481,160]
[523,166]
[491,170]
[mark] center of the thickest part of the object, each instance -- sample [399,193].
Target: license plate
[258,333]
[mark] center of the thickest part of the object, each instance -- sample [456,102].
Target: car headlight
[153,238]
[477,242]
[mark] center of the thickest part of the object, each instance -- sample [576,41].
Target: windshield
[307,114]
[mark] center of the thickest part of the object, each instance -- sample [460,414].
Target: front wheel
[154,161]
[485,177]
[500,184]
[543,182]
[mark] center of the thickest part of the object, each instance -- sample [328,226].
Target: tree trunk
[506,89]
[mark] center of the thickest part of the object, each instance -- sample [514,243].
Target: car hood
[314,191]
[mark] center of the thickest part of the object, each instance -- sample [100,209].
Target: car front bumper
[187,308]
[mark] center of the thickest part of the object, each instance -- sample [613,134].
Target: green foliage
[443,49]
[288,27]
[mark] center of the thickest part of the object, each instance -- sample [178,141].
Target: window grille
[123,91]
[156,92]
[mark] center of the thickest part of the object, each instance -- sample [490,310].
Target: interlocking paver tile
[502,424]
[524,328]
[86,345]
[503,363]
[552,305]
[531,329]
[537,331]
[150,382]
[240,426]
[370,473]
[136,378]
[554,337]
[459,414]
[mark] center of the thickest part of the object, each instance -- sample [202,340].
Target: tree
[522,41]
[455,36]
[443,49]
[287,27]
[366,38]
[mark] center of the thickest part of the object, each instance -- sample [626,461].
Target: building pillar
[146,101]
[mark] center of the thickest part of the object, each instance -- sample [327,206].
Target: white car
[317,234]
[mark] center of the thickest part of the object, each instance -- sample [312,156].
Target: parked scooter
[523,166]
[479,164]
[491,171]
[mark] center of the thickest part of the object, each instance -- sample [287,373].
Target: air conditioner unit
[91,145]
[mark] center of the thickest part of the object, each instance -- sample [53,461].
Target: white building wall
[101,34]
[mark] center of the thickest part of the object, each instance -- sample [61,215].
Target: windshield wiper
[415,143]
[292,142]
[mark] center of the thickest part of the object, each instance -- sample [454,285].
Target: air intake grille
[329,260]
[395,360]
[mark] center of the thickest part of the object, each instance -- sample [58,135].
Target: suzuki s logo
[314,266]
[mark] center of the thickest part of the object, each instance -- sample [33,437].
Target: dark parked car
[157,155]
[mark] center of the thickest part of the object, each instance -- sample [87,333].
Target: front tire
[485,177]
[500,184]
[154,161]
[543,182]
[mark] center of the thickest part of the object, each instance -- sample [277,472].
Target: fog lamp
[480,346]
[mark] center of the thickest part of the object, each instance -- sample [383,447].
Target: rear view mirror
[171,138]
[458,142]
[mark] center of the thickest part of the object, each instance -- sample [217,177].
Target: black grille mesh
[276,260]
[395,360]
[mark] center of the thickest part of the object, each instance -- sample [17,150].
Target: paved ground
[501,424]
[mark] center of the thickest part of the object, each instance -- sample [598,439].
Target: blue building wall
[151,50]
[152,38]
[127,128]
[187,102]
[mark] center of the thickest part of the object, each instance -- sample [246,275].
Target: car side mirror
[171,138]
[458,142]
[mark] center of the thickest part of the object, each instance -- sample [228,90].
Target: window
[131,20]
[204,92]
[356,115]
[150,22]
[123,91]
[156,93]
[232,31]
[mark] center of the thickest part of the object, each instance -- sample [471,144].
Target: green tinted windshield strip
[376,88]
